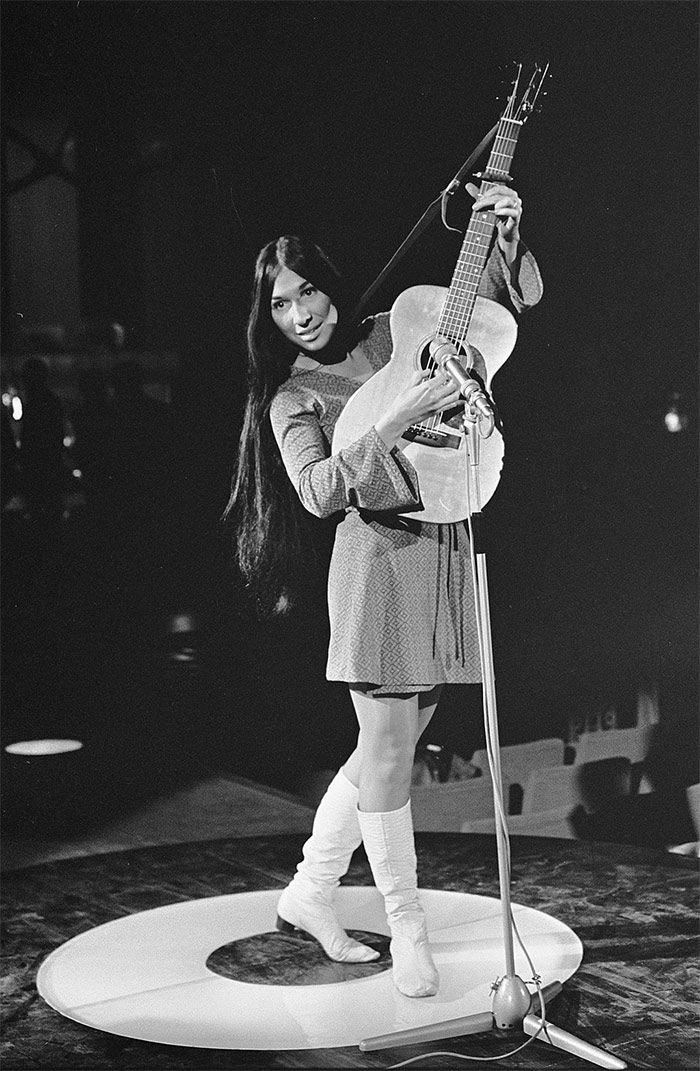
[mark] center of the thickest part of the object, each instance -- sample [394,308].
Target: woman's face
[304,315]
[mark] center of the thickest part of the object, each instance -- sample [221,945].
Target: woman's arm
[519,286]
[367,474]
[511,275]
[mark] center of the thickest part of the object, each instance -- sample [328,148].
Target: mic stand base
[530,1025]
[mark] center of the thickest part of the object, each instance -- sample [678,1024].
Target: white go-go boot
[389,844]
[307,902]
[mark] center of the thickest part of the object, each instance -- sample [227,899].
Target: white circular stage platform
[172,975]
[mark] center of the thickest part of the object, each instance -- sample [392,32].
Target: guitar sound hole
[427,434]
[426,361]
[469,356]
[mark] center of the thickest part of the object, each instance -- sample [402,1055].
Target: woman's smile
[301,311]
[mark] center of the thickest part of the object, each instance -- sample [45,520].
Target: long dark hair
[264,517]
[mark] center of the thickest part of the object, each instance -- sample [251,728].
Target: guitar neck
[459,304]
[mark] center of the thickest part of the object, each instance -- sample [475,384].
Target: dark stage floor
[635,910]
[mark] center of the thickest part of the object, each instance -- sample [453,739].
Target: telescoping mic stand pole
[514,1007]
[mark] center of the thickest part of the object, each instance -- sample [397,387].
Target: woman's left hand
[506,205]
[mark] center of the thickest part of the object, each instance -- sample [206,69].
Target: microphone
[446,355]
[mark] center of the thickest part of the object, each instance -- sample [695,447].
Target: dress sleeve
[377,342]
[518,288]
[365,474]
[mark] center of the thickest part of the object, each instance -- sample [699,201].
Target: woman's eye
[310,290]
[277,305]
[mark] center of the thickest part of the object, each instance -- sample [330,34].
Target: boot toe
[418,987]
[315,916]
[414,971]
[350,951]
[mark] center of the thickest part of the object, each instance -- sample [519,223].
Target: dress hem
[379,690]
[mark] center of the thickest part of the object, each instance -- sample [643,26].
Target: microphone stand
[514,1008]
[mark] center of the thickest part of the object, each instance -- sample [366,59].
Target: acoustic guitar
[483,332]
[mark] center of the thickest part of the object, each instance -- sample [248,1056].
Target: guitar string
[465,280]
[467,274]
[462,271]
[478,229]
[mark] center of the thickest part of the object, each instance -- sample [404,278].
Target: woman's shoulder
[293,395]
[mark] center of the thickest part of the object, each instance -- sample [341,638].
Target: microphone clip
[477,406]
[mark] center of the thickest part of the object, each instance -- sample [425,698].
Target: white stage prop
[145,976]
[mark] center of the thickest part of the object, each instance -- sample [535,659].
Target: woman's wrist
[509,249]
[389,431]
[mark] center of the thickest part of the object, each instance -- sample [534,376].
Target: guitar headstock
[521,103]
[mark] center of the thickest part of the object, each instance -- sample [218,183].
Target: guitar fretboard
[459,304]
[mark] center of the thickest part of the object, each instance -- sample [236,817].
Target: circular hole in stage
[43,747]
[293,959]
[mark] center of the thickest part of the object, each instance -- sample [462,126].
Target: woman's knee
[388,728]
[388,753]
[388,776]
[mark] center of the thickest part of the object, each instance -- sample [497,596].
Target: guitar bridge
[418,433]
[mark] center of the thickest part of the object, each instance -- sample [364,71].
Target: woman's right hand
[422,398]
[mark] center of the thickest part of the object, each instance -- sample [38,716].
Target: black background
[344,120]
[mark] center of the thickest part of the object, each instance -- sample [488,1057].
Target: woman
[400,592]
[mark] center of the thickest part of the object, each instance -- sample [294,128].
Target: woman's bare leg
[427,703]
[390,726]
[388,730]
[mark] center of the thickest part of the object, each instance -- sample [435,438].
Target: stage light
[184,654]
[118,335]
[182,631]
[43,747]
[16,407]
[676,418]
[43,781]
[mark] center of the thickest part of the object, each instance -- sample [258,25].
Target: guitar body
[482,331]
[441,468]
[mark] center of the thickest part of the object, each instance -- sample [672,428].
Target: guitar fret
[442,473]
[456,313]
[477,245]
